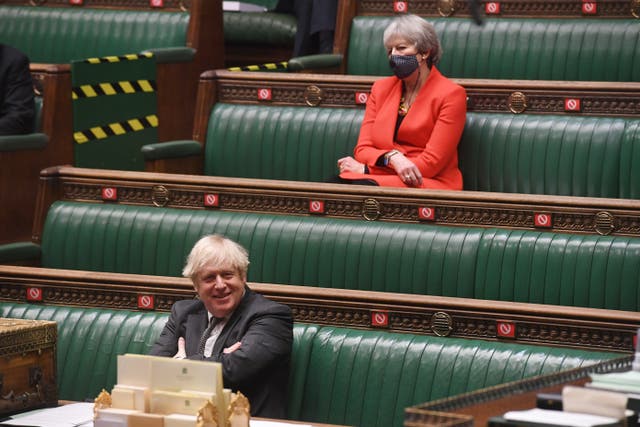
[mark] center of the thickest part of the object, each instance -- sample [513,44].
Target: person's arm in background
[17,112]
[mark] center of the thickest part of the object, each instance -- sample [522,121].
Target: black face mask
[403,65]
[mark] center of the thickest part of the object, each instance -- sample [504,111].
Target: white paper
[73,415]
[241,6]
[560,418]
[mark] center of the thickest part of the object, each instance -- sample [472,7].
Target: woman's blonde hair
[217,250]
[417,31]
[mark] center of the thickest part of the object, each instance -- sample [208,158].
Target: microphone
[474,8]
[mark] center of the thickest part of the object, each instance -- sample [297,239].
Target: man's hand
[232,348]
[181,354]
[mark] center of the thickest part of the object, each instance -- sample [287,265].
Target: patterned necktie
[206,334]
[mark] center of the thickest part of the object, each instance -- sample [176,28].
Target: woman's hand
[406,170]
[349,164]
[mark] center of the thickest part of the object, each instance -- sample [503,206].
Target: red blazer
[428,135]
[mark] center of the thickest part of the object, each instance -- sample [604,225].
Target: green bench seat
[338,375]
[253,38]
[515,48]
[415,258]
[59,35]
[545,154]
[527,153]
[259,28]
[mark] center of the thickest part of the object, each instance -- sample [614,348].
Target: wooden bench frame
[345,91]
[475,408]
[585,328]
[580,215]
[504,96]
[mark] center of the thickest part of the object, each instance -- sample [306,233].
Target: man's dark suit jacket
[17,107]
[260,367]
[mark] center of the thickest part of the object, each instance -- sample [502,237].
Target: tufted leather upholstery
[535,49]
[89,340]
[367,378]
[376,373]
[291,143]
[545,154]
[262,28]
[58,35]
[541,154]
[485,263]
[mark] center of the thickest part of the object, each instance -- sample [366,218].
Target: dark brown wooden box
[27,365]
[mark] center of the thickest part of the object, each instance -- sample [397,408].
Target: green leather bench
[515,48]
[484,263]
[254,38]
[545,154]
[184,44]
[51,34]
[338,375]
[525,153]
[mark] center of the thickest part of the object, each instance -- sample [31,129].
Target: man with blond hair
[248,334]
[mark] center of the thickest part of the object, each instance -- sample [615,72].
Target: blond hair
[217,250]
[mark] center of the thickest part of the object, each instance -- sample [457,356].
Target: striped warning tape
[127,87]
[129,57]
[119,128]
[271,66]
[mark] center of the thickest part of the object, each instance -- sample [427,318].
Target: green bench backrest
[59,35]
[89,340]
[546,154]
[339,375]
[290,143]
[515,48]
[367,378]
[259,28]
[485,263]
[541,154]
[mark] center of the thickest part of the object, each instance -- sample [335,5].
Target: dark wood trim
[609,9]
[577,327]
[583,215]
[347,10]
[478,406]
[484,95]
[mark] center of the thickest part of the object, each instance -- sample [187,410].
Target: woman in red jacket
[413,120]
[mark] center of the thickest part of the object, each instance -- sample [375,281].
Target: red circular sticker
[210,200]
[505,329]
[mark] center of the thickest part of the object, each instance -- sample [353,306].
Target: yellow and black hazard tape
[271,66]
[117,88]
[119,128]
[129,57]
